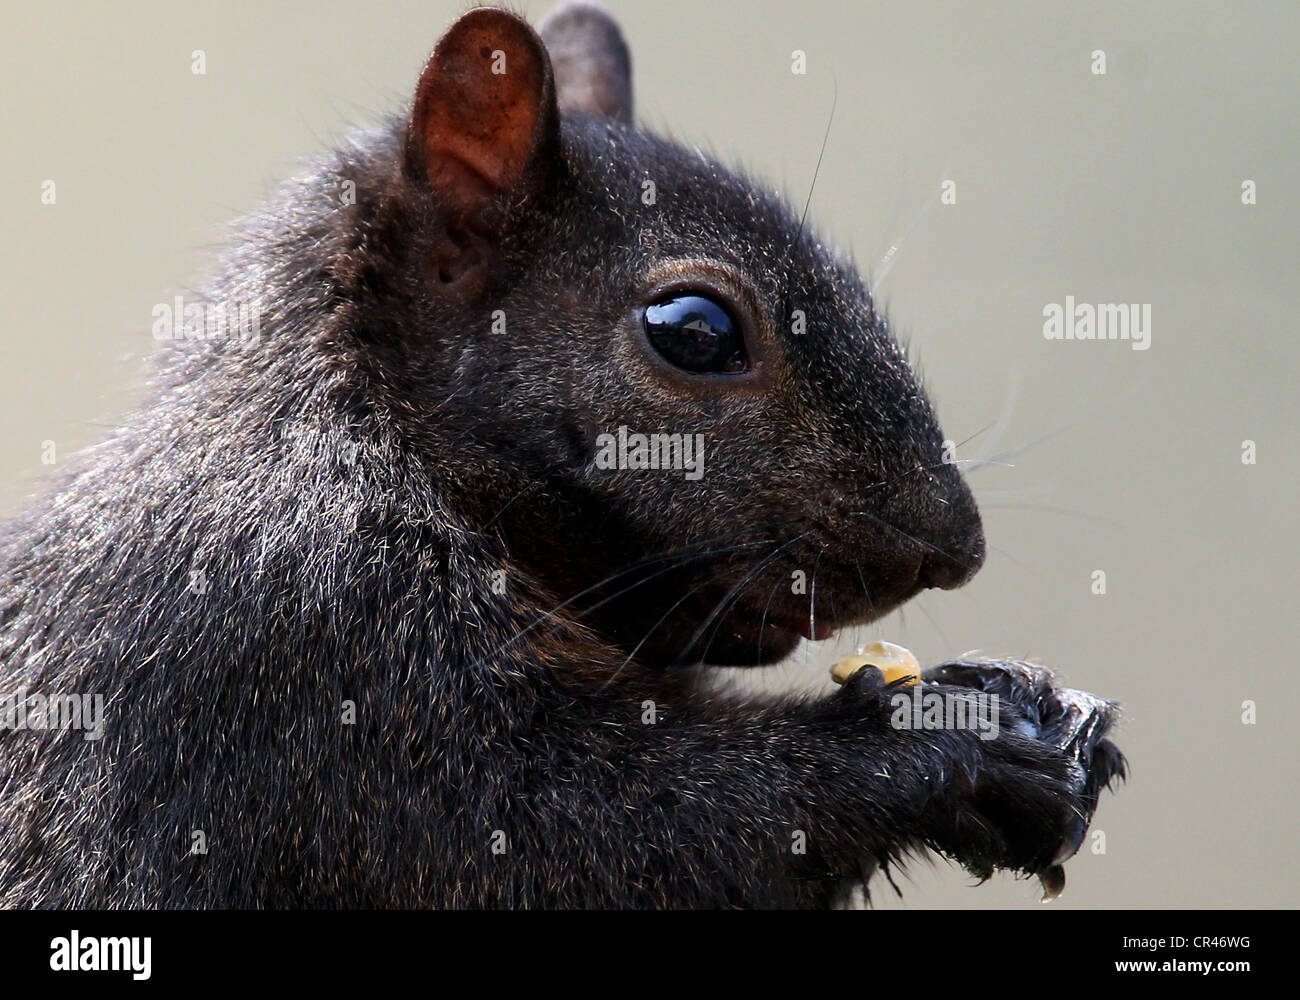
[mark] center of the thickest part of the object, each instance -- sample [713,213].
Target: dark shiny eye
[696,334]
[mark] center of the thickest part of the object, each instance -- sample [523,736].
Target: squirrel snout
[929,539]
[949,568]
[955,549]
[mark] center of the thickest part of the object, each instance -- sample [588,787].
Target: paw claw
[1053,882]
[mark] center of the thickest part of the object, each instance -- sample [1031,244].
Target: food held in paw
[893,661]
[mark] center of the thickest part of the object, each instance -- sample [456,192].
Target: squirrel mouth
[815,630]
[757,624]
[818,628]
[813,624]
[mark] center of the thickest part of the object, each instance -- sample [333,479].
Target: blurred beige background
[1117,188]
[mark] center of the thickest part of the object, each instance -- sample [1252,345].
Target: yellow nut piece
[893,661]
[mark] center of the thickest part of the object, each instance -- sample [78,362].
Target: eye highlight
[696,333]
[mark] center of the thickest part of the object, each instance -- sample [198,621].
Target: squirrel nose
[950,565]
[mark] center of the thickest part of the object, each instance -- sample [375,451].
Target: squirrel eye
[695,333]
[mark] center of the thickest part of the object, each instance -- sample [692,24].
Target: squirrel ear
[484,119]
[593,71]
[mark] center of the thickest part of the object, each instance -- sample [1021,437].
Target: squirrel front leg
[790,804]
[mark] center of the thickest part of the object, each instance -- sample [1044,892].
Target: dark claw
[1053,882]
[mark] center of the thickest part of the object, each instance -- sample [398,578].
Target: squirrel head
[571,304]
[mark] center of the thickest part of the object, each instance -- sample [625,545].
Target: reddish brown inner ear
[481,107]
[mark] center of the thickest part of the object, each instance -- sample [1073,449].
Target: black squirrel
[375,626]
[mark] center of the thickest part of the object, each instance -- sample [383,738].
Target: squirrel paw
[1029,799]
